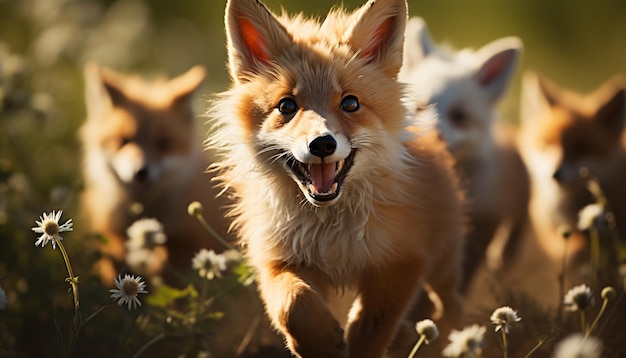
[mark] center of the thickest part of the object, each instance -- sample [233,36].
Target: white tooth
[334,187]
[312,189]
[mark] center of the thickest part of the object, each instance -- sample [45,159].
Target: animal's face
[318,103]
[564,132]
[143,145]
[463,86]
[464,112]
[145,132]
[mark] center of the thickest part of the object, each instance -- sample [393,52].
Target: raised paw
[314,332]
[325,341]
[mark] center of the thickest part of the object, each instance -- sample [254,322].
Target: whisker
[277,156]
[268,149]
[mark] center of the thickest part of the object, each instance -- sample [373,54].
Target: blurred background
[45,43]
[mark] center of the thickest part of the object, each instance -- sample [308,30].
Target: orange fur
[562,132]
[309,104]
[143,159]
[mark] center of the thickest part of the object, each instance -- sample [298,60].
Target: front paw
[318,339]
[312,331]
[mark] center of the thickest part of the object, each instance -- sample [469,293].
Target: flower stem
[595,321]
[211,231]
[539,344]
[595,254]
[417,346]
[149,343]
[73,281]
[583,321]
[203,293]
[505,348]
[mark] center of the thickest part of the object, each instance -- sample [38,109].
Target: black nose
[558,175]
[323,146]
[142,175]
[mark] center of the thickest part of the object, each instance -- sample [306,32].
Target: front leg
[385,295]
[295,300]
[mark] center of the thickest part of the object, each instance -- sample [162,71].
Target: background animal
[566,138]
[143,158]
[464,87]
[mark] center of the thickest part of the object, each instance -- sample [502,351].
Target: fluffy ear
[538,95]
[497,64]
[418,43]
[253,36]
[611,101]
[102,89]
[377,33]
[184,86]
[113,84]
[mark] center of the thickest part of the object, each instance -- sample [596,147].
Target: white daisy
[578,298]
[428,329]
[588,215]
[145,233]
[128,288]
[465,343]
[503,317]
[48,227]
[576,346]
[209,264]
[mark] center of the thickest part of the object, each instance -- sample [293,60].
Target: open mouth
[323,181]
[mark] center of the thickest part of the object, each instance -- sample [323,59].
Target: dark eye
[421,108]
[457,117]
[287,106]
[123,141]
[350,104]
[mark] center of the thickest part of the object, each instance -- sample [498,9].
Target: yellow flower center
[51,228]
[130,287]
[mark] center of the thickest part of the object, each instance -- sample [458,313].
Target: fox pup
[562,132]
[143,158]
[464,88]
[332,191]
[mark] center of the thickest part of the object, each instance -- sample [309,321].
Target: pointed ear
[183,87]
[113,84]
[102,89]
[377,33]
[253,36]
[418,43]
[498,61]
[536,96]
[611,101]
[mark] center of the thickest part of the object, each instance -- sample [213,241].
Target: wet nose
[141,175]
[323,146]
[558,175]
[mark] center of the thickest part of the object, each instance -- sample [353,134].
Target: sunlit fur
[398,219]
[464,87]
[563,131]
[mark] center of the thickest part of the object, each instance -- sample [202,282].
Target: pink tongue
[322,176]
